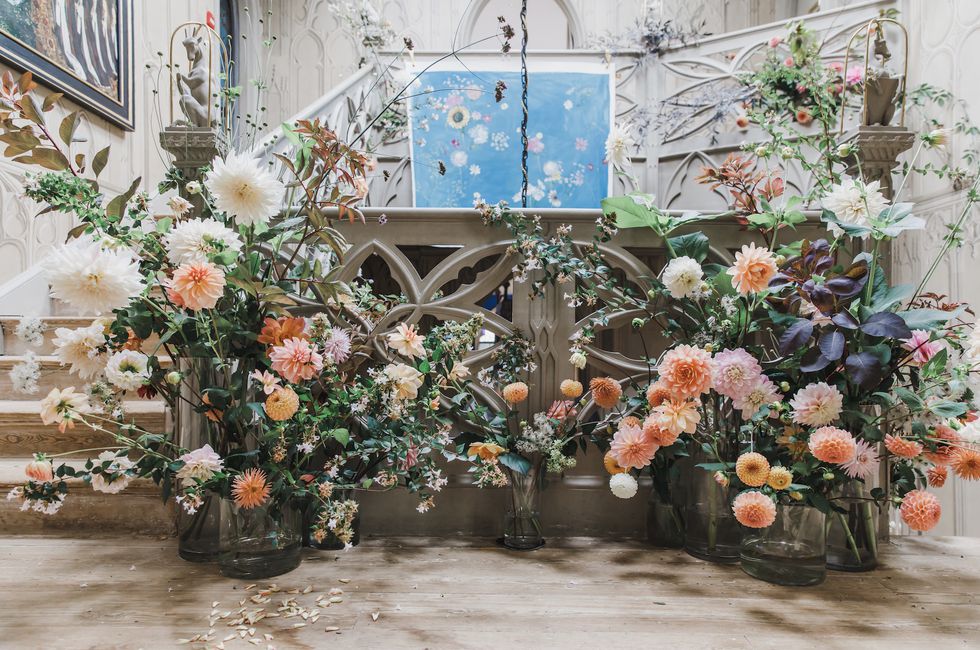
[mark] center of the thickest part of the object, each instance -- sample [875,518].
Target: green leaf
[163,226]
[632,211]
[100,160]
[928,319]
[116,206]
[515,462]
[340,435]
[948,409]
[68,127]
[693,245]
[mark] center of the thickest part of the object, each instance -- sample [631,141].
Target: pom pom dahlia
[752,469]
[780,478]
[921,510]
[832,445]
[817,404]
[903,447]
[572,389]
[623,485]
[686,371]
[754,509]
[282,404]
[605,391]
[515,393]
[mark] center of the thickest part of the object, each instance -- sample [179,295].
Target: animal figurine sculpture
[197,87]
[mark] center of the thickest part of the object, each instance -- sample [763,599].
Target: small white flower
[30,331]
[682,277]
[127,369]
[244,190]
[197,239]
[458,158]
[623,485]
[193,187]
[25,375]
[200,464]
[475,170]
[179,206]
[578,360]
[854,203]
[567,104]
[92,278]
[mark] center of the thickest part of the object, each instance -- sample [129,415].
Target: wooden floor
[416,593]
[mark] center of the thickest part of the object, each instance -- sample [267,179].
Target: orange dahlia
[658,434]
[780,478]
[515,393]
[276,331]
[657,394]
[832,445]
[678,416]
[937,476]
[485,450]
[945,439]
[250,489]
[902,447]
[686,371]
[752,469]
[572,389]
[966,463]
[630,421]
[753,268]
[282,404]
[611,465]
[605,391]
[921,510]
[754,509]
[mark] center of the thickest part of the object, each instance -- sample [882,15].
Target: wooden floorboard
[574,593]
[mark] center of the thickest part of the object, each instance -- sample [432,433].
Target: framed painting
[82,48]
[465,143]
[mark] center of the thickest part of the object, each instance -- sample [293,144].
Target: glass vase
[852,535]
[259,542]
[791,551]
[522,523]
[665,522]
[198,534]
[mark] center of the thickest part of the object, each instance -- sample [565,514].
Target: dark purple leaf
[832,345]
[813,361]
[863,369]
[886,324]
[796,336]
[845,320]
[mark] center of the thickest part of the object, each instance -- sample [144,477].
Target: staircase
[137,509]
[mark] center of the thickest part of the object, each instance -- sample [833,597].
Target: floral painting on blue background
[466,143]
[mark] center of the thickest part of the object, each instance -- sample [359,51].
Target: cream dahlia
[405,379]
[817,404]
[62,407]
[113,478]
[406,341]
[81,348]
[854,203]
[127,369]
[197,240]
[199,465]
[243,190]
[91,278]
[682,276]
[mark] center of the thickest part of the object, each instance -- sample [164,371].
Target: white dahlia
[854,203]
[115,471]
[127,369]
[193,241]
[618,146]
[682,277]
[243,190]
[92,278]
[81,348]
[623,485]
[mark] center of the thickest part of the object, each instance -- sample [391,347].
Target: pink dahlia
[865,461]
[921,510]
[686,371]
[817,404]
[734,372]
[921,348]
[630,448]
[832,445]
[754,509]
[762,392]
[337,345]
[677,416]
[296,360]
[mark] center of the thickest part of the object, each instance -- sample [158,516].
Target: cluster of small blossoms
[434,480]
[558,462]
[426,504]
[605,226]
[509,362]
[30,331]
[386,480]
[336,518]
[105,399]
[45,498]
[538,437]
[491,214]
[25,375]
[459,337]
[489,474]
[190,502]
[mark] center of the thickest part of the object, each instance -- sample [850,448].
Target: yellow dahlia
[752,469]
[515,393]
[572,389]
[780,478]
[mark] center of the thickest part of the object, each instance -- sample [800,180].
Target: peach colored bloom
[277,330]
[268,380]
[804,116]
[515,393]
[631,449]
[832,445]
[609,461]
[198,285]
[572,389]
[250,489]
[282,404]
[485,450]
[658,434]
[937,476]
[39,470]
[966,463]
[903,447]
[657,393]
[945,439]
[780,478]
[752,270]
[754,509]
[752,469]
[630,421]
[921,510]
[678,416]
[561,409]
[817,404]
[405,340]
[605,391]
[296,360]
[686,371]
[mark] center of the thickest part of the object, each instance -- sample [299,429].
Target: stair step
[53,375]
[22,433]
[137,509]
[14,346]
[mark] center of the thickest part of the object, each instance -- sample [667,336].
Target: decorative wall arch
[473,13]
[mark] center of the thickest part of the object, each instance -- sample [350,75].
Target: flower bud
[721,479]
[845,150]
[788,152]
[784,386]
[579,360]
[637,323]
[828,476]
[795,496]
[193,187]
[39,469]
[173,377]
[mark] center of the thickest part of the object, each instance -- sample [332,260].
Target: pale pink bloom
[39,470]
[268,380]
[406,341]
[855,75]
[921,347]
[677,416]
[561,409]
[199,464]
[775,41]
[734,372]
[753,268]
[817,404]
[789,62]
[337,344]
[535,144]
[631,448]
[296,360]
[864,465]
[197,285]
[836,66]
[762,392]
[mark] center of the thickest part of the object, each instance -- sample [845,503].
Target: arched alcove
[559,27]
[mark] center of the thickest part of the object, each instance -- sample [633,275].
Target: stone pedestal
[193,148]
[878,149]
